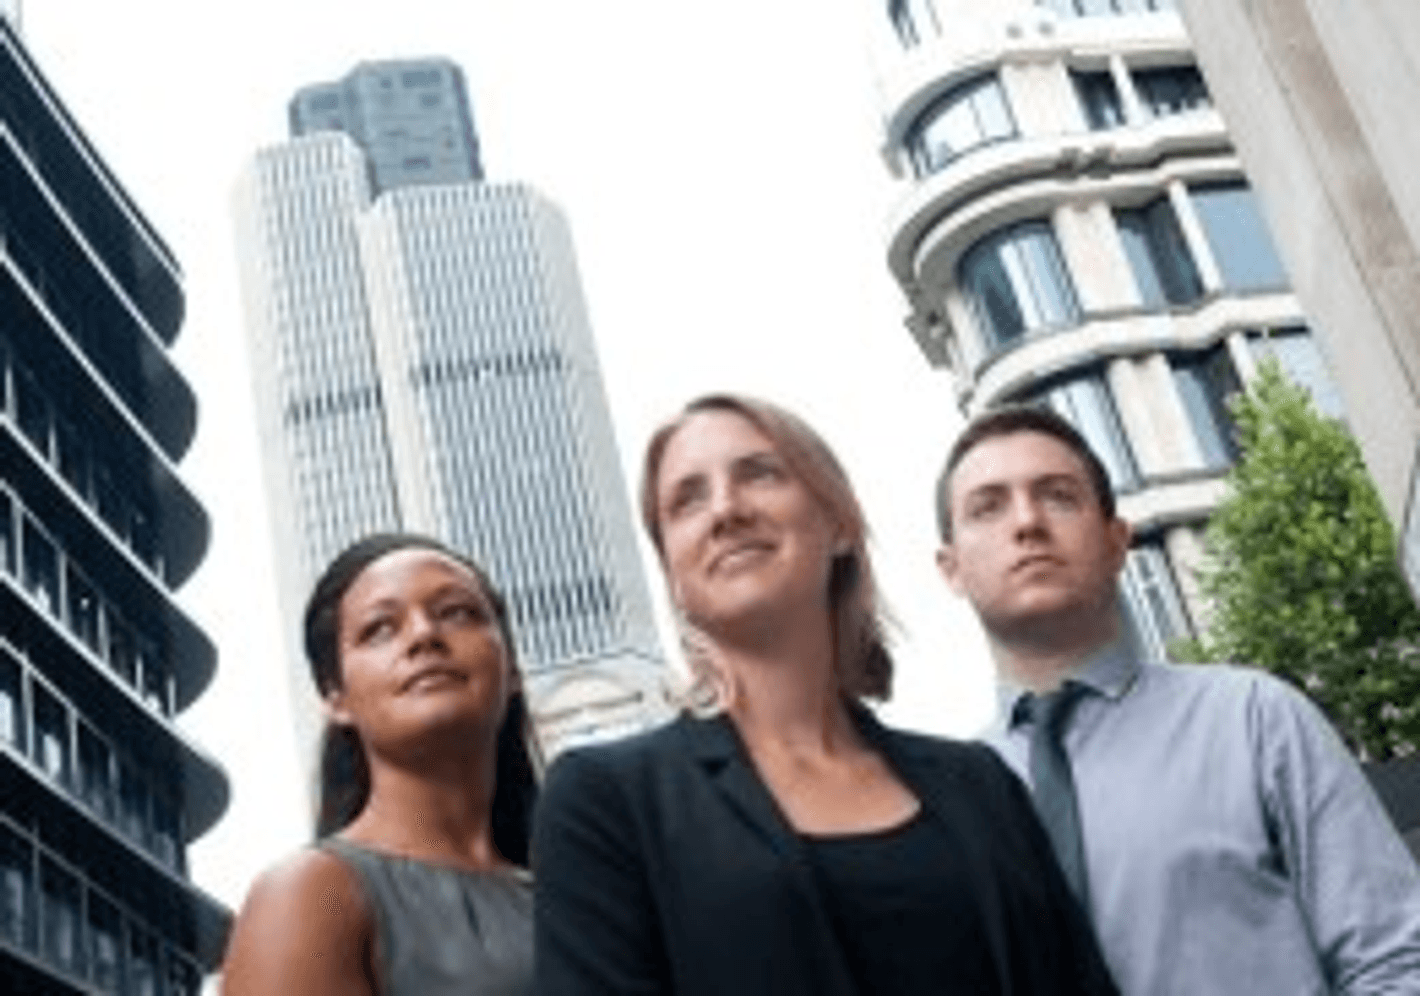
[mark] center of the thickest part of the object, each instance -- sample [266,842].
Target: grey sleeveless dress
[443,931]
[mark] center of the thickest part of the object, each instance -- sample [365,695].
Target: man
[1209,819]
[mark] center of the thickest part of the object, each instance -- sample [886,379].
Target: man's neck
[1041,665]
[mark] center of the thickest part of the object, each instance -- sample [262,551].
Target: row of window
[1162,91]
[1205,380]
[37,722]
[69,448]
[1017,282]
[915,21]
[50,910]
[59,587]
[1106,8]
[977,113]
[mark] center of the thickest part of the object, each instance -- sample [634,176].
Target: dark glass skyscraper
[99,790]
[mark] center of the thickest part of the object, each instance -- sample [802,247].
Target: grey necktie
[1053,785]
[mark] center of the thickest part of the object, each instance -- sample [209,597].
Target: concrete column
[1135,413]
[1134,114]
[1186,555]
[1089,241]
[1241,354]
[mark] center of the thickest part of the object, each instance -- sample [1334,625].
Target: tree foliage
[1301,572]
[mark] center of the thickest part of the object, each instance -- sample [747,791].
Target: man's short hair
[1008,420]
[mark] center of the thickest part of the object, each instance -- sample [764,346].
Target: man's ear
[1121,534]
[948,566]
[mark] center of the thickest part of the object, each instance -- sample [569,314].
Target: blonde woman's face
[743,539]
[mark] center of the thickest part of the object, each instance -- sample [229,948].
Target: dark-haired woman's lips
[430,677]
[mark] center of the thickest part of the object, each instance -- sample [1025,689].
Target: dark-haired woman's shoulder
[305,928]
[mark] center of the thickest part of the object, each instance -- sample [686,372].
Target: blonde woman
[788,843]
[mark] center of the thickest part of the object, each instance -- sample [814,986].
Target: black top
[442,931]
[903,911]
[665,867]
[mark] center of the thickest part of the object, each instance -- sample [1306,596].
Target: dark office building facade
[100,792]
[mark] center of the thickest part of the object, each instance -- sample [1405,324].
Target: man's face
[1031,548]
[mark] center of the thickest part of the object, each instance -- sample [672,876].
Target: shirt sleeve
[595,926]
[1355,880]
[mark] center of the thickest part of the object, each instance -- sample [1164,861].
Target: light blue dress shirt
[1233,845]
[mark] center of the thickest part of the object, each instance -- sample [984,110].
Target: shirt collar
[1109,671]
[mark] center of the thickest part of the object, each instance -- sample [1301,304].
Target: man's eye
[1064,497]
[983,508]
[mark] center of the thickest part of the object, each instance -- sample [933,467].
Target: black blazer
[664,866]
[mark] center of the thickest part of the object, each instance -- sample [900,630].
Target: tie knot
[1051,710]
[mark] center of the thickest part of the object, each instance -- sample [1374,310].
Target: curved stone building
[100,792]
[1076,229]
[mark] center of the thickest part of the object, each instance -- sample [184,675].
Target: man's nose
[1027,515]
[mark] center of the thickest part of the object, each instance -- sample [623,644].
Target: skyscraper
[1076,229]
[424,361]
[100,792]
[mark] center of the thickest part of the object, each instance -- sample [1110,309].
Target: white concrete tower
[423,360]
[1076,229]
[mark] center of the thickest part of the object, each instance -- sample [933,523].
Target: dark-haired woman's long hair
[344,774]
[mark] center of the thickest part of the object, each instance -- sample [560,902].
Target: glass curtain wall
[1206,381]
[968,116]
[1085,400]
[1017,284]
[1238,237]
[1152,606]
[1297,352]
[1158,255]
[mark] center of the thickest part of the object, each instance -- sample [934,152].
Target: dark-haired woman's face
[420,650]
[742,536]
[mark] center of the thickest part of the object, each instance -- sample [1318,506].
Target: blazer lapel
[717,749]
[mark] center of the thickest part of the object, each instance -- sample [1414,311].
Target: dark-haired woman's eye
[375,630]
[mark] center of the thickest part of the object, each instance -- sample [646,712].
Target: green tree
[1301,572]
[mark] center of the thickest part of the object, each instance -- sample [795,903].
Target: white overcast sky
[718,163]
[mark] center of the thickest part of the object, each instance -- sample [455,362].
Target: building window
[83,607]
[51,740]
[155,688]
[913,20]
[60,918]
[32,410]
[17,917]
[7,534]
[1171,90]
[1206,383]
[1238,237]
[12,703]
[96,775]
[105,945]
[1017,283]
[1085,400]
[1158,255]
[143,975]
[133,804]
[1153,609]
[1297,352]
[1105,8]
[968,116]
[41,573]
[1099,98]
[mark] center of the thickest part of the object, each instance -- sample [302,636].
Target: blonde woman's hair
[862,662]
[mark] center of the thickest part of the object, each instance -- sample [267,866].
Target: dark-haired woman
[788,843]
[417,884]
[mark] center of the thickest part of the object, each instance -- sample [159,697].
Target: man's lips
[1036,560]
